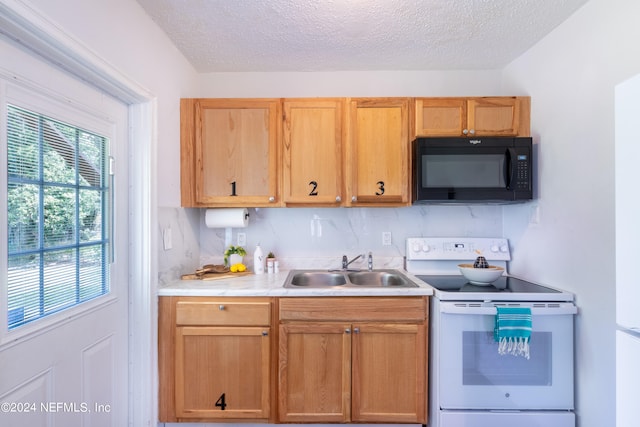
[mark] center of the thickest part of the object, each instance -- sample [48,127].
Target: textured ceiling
[355,35]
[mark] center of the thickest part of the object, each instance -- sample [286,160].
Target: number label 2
[221,402]
[314,188]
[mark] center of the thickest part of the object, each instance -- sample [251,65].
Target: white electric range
[471,383]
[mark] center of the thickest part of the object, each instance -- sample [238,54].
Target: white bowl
[480,276]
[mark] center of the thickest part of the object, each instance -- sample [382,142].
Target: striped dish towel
[513,330]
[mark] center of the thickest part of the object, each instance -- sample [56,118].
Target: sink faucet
[345,262]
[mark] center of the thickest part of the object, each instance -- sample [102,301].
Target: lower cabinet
[215,359]
[353,360]
[339,360]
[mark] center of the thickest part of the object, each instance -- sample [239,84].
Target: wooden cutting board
[215,276]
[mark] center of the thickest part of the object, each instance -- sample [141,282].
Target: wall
[571,76]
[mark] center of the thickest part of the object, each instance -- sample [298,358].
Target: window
[57,211]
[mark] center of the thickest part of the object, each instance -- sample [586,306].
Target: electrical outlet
[386,238]
[242,239]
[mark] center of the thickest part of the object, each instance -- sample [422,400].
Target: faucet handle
[370,262]
[345,262]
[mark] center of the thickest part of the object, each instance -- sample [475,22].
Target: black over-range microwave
[491,170]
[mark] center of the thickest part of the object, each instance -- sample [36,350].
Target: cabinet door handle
[221,307]
[472,131]
[338,199]
[465,131]
[347,331]
[265,333]
[356,330]
[354,198]
[272,199]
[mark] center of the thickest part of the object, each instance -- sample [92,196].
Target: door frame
[33,31]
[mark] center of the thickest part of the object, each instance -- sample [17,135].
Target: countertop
[271,285]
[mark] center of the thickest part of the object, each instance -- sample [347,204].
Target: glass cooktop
[505,284]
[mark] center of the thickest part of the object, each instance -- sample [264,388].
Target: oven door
[474,376]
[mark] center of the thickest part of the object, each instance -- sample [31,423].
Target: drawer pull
[265,333]
[221,307]
[347,331]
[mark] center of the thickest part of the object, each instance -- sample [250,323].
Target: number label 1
[221,402]
[233,189]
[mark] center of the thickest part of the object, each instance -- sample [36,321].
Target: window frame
[77,115]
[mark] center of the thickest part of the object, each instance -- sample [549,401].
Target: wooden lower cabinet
[357,369]
[314,373]
[222,372]
[389,373]
[215,359]
[339,360]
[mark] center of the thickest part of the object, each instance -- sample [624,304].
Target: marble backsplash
[317,237]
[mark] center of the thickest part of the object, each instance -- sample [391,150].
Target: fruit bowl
[480,276]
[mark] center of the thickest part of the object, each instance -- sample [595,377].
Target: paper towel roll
[224,218]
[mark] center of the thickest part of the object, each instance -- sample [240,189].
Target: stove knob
[425,248]
[504,248]
[415,247]
[494,248]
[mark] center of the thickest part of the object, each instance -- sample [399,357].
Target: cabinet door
[493,116]
[440,116]
[229,152]
[222,372]
[314,372]
[312,152]
[377,160]
[389,373]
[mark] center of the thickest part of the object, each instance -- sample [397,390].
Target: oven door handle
[555,310]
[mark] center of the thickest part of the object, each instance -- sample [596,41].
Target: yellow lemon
[235,268]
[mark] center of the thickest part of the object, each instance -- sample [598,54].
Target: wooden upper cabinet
[440,116]
[469,117]
[312,152]
[377,161]
[229,152]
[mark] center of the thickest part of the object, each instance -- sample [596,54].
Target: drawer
[393,309]
[223,313]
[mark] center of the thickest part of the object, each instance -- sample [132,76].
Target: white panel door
[627,379]
[627,153]
[71,368]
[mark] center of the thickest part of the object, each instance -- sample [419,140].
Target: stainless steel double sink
[349,279]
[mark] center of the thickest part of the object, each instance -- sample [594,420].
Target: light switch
[167,242]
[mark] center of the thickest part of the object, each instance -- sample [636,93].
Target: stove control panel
[457,248]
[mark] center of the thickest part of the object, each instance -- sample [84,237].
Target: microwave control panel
[457,248]
[522,173]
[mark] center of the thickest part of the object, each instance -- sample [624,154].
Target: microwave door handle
[509,170]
